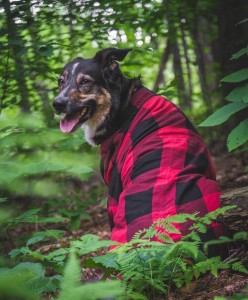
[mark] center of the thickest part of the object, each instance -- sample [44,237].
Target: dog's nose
[60,104]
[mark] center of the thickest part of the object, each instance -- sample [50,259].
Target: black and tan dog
[153,160]
[94,94]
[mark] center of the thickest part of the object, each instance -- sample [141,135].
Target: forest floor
[231,174]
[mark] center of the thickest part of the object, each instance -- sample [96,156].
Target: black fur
[106,74]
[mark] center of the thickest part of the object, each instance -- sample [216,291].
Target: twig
[234,254]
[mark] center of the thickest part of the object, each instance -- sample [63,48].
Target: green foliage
[30,149]
[238,76]
[90,243]
[239,101]
[239,94]
[31,280]
[238,136]
[39,236]
[28,281]
[34,161]
[150,268]
[72,289]
[223,114]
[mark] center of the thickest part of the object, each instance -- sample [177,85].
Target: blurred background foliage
[181,49]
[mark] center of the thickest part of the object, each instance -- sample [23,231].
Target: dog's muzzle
[76,113]
[60,105]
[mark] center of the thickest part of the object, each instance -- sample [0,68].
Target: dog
[153,160]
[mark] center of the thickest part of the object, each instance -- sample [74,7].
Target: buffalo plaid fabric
[157,165]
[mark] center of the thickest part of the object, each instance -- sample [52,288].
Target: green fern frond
[165,238]
[239,267]
[192,236]
[181,218]
[199,226]
[212,264]
[178,282]
[72,275]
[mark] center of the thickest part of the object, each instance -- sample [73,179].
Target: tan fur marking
[103,101]
[82,76]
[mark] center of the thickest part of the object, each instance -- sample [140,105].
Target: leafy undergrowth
[44,257]
[147,268]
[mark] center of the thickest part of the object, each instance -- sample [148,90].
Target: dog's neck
[120,96]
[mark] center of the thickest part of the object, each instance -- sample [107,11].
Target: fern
[212,264]
[153,268]
[239,267]
[201,223]
[72,289]
[72,277]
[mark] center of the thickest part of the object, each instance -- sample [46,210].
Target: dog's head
[90,90]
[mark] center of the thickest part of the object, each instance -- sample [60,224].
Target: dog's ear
[109,57]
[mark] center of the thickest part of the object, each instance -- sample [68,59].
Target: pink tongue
[68,125]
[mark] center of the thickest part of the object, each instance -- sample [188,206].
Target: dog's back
[153,160]
[156,165]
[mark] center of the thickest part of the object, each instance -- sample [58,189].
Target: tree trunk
[184,98]
[15,49]
[205,61]
[236,219]
[185,50]
[164,60]
[232,37]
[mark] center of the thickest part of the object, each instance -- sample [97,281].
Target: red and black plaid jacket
[156,165]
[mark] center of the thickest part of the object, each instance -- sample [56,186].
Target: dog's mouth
[73,120]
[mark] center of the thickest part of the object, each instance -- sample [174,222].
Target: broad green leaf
[34,268]
[108,261]
[48,220]
[54,282]
[25,251]
[41,284]
[59,252]
[43,167]
[236,76]
[35,239]
[36,281]
[13,284]
[42,235]
[239,94]
[243,21]
[28,216]
[80,170]
[223,114]
[238,136]
[98,290]
[90,243]
[240,53]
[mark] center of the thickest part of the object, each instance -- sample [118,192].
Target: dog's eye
[84,81]
[61,81]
